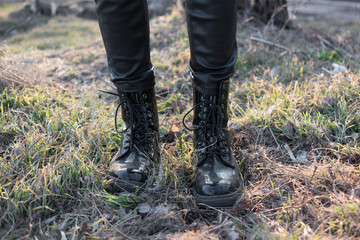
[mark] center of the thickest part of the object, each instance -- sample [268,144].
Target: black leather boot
[139,149]
[218,181]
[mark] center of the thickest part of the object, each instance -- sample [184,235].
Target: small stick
[307,184]
[329,44]
[278,146]
[286,146]
[272,44]
[13,74]
[112,226]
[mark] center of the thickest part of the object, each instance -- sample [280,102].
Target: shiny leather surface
[212,35]
[139,146]
[217,170]
[124,26]
[216,178]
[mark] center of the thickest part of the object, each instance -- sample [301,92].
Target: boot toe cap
[127,174]
[221,188]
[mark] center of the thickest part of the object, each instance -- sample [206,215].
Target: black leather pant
[124,26]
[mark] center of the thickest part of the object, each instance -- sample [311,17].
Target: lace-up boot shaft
[139,147]
[218,177]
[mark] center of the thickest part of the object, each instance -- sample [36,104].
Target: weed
[328,55]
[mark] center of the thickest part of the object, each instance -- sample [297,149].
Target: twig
[219,211]
[11,80]
[296,9]
[326,42]
[13,170]
[226,223]
[307,184]
[103,217]
[327,71]
[271,44]
[265,196]
[274,138]
[244,53]
[13,74]
[6,33]
[286,146]
[3,216]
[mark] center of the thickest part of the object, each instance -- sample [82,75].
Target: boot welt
[226,200]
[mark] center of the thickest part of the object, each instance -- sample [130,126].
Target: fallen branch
[271,44]
[326,42]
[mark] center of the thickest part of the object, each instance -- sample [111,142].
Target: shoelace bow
[139,129]
[210,128]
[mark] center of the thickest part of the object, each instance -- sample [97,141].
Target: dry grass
[295,127]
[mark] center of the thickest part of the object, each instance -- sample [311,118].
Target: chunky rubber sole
[226,200]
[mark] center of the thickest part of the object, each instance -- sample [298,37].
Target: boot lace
[140,115]
[211,138]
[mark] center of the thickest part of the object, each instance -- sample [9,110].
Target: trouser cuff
[208,83]
[139,83]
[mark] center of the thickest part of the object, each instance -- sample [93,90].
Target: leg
[212,35]
[124,26]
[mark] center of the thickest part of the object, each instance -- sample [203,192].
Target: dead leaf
[175,129]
